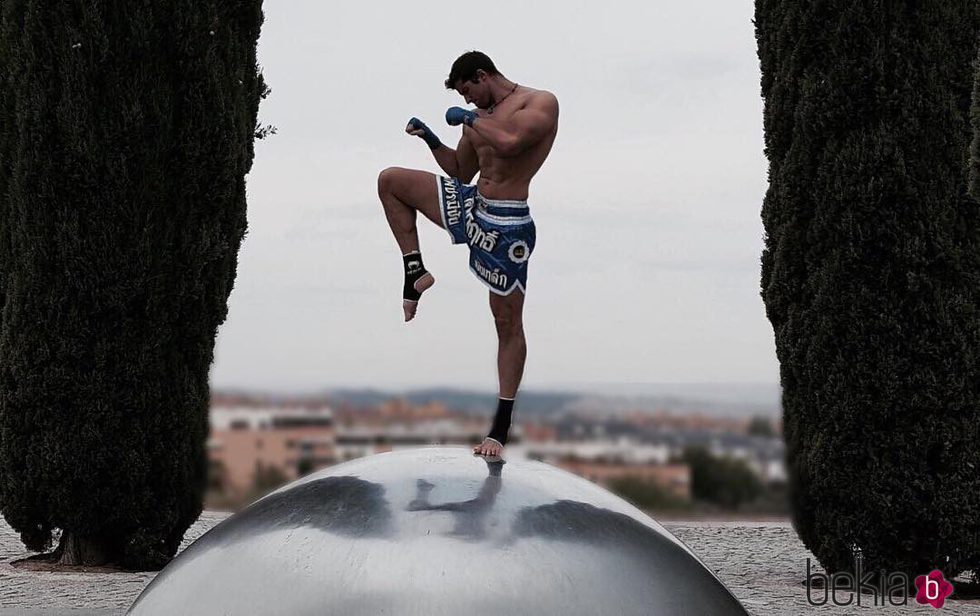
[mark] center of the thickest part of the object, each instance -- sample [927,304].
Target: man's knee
[388,179]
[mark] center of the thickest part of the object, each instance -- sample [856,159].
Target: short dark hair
[466,66]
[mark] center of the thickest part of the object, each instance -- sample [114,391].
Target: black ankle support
[413,271]
[501,421]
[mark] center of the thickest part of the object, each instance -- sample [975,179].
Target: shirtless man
[506,139]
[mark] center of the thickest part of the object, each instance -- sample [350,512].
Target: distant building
[357,440]
[673,478]
[603,461]
[299,438]
[620,450]
[296,436]
[285,438]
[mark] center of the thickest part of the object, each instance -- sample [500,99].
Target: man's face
[475,92]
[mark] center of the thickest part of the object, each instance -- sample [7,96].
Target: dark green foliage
[871,276]
[771,502]
[647,494]
[761,426]
[126,132]
[975,146]
[217,476]
[304,467]
[722,481]
[265,479]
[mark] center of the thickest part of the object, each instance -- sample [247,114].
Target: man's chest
[502,117]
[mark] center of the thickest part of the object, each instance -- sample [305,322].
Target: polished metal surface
[434,531]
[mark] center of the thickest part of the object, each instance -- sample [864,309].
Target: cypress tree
[975,146]
[870,276]
[126,132]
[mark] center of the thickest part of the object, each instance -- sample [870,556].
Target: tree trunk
[74,549]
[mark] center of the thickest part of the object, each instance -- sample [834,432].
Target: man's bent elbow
[449,170]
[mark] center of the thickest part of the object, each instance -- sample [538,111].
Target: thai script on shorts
[495,277]
[451,196]
[485,240]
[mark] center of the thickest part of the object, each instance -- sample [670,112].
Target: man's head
[470,76]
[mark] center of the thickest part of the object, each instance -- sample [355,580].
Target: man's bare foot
[489,447]
[421,285]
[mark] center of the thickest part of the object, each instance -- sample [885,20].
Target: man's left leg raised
[403,192]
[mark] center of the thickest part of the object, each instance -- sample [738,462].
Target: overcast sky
[646,268]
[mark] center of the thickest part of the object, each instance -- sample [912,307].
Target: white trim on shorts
[517,284]
[507,221]
[442,208]
[502,202]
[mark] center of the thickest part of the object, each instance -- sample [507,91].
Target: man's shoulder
[543,99]
[537,94]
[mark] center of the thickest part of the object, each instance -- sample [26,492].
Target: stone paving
[763,563]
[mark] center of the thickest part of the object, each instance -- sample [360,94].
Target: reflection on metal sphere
[435,531]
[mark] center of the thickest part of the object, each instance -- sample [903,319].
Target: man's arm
[446,157]
[460,163]
[523,129]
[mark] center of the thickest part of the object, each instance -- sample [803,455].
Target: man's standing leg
[404,192]
[508,316]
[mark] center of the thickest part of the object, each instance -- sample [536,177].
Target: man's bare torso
[509,177]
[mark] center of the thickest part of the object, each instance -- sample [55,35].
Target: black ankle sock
[501,421]
[413,271]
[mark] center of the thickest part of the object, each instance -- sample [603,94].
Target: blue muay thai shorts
[500,234]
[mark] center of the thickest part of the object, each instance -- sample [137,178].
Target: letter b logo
[933,589]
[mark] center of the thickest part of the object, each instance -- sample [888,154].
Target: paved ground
[762,562]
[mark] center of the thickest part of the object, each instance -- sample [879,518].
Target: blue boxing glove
[415,125]
[457,115]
